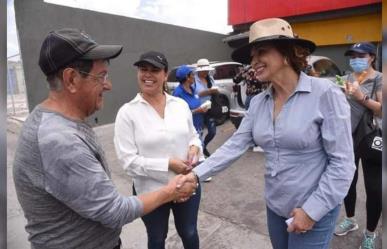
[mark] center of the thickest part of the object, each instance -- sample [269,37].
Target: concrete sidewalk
[232,212]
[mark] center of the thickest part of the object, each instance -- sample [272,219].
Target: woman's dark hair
[210,81]
[165,88]
[373,62]
[294,54]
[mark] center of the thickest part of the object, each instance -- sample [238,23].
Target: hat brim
[356,50]
[149,61]
[101,52]
[206,68]
[243,53]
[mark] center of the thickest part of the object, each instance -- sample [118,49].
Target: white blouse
[145,142]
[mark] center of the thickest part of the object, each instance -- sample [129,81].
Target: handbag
[216,110]
[367,139]
[216,107]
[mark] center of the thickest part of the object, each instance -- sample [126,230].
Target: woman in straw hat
[303,125]
[204,87]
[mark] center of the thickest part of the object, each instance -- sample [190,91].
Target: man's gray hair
[55,80]
[54,83]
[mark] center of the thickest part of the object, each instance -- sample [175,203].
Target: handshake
[182,187]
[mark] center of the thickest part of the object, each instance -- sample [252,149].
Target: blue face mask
[359,64]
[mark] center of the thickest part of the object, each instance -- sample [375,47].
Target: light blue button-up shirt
[308,148]
[200,87]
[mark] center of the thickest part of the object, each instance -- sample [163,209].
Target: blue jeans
[317,238]
[186,216]
[211,130]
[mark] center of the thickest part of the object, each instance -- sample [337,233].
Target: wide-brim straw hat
[203,65]
[271,30]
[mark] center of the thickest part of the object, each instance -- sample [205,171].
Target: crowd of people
[247,76]
[307,126]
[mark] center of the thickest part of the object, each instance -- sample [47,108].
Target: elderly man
[62,179]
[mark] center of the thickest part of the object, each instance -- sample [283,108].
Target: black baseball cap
[63,46]
[362,47]
[154,58]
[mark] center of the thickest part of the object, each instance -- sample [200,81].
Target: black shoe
[206,153]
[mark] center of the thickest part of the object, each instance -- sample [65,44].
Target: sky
[187,13]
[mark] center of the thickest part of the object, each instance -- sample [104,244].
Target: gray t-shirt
[63,185]
[357,109]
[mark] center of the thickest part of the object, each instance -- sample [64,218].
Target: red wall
[245,11]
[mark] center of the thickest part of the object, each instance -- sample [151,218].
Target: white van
[223,76]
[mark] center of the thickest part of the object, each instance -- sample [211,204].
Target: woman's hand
[301,221]
[200,110]
[354,90]
[181,188]
[193,155]
[188,188]
[179,166]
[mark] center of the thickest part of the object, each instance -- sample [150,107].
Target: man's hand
[301,223]
[179,166]
[181,188]
[193,156]
[191,178]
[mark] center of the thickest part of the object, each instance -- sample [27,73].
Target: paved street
[232,213]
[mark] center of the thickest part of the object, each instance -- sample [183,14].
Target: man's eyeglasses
[100,78]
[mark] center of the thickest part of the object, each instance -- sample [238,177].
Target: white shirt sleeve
[127,151]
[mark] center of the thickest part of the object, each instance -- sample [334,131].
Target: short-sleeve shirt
[357,109]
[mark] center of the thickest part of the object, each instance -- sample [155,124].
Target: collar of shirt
[304,85]
[140,99]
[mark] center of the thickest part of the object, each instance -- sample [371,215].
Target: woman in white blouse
[155,139]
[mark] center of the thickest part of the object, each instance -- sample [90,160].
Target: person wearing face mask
[359,85]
